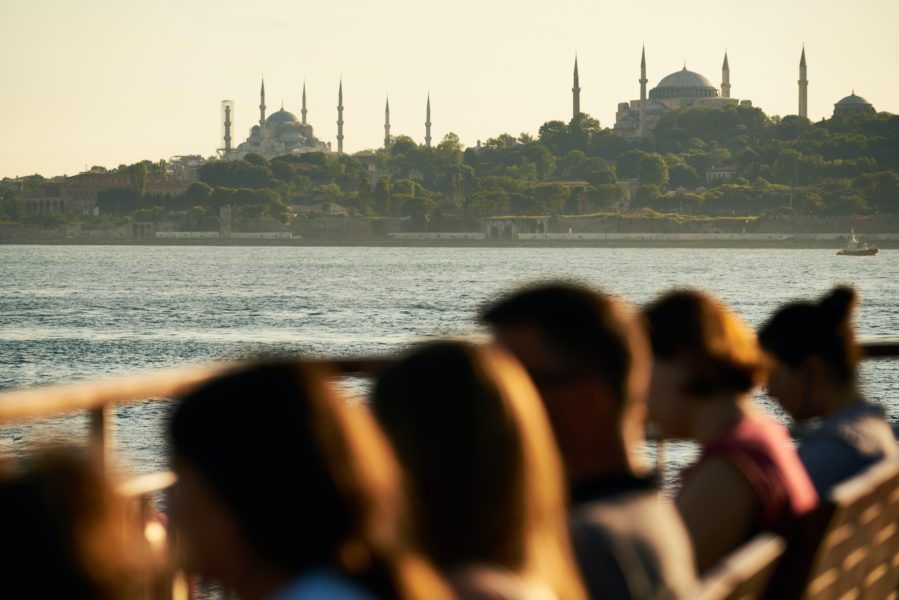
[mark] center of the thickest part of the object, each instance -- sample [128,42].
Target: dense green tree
[653,170]
[487,203]
[10,205]
[198,193]
[626,166]
[381,195]
[237,173]
[137,174]
[683,175]
[608,196]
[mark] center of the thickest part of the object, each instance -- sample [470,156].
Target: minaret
[303,110]
[387,124]
[725,78]
[262,107]
[340,118]
[803,87]
[642,130]
[227,107]
[576,92]
[428,123]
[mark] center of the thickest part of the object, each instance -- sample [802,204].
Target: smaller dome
[852,99]
[852,105]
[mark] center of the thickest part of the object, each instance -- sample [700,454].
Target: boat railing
[100,398]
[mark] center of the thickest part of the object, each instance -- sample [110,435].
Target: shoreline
[694,242]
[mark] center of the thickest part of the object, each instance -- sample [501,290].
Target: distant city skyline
[103,83]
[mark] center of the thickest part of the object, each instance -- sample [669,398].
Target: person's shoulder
[618,511]
[862,428]
[483,583]
[633,545]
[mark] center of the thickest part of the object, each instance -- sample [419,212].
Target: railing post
[102,431]
[661,462]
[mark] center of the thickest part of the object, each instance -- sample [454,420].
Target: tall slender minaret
[340,118]
[576,92]
[725,78]
[643,80]
[387,123]
[227,109]
[262,107]
[803,87]
[428,122]
[303,110]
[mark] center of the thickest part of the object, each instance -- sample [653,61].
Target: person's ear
[814,368]
[604,401]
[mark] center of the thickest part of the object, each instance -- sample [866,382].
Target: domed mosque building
[281,133]
[637,118]
[853,105]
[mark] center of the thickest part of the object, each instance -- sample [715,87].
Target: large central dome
[282,116]
[684,84]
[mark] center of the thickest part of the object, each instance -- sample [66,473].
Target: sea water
[72,313]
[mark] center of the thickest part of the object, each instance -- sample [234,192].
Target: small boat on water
[857,248]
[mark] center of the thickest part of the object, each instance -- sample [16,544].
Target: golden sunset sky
[101,82]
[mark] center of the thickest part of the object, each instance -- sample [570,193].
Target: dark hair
[824,329]
[67,533]
[486,478]
[309,479]
[720,351]
[589,327]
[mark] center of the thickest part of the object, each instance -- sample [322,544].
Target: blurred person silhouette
[748,477]
[484,473]
[67,534]
[286,492]
[815,376]
[589,360]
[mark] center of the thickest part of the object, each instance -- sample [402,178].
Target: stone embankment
[597,230]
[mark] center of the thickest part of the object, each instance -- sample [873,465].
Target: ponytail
[824,329]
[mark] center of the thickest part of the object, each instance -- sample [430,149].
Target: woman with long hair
[287,492]
[748,477]
[484,474]
[815,375]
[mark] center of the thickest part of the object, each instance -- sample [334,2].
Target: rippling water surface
[83,312]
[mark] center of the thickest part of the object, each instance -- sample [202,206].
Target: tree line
[842,165]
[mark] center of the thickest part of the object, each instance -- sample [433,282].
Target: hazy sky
[99,82]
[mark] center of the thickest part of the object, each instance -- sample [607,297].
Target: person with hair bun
[815,375]
[748,477]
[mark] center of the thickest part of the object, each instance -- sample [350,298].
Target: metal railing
[100,398]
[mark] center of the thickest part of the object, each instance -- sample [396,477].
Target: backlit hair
[589,328]
[469,427]
[310,479]
[718,348]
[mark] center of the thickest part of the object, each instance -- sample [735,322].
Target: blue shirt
[322,584]
[845,444]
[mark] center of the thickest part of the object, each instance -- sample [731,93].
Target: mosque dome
[683,84]
[282,116]
[852,100]
[852,105]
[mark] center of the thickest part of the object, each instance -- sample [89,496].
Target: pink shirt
[761,449]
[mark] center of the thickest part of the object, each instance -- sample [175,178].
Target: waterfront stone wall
[492,230]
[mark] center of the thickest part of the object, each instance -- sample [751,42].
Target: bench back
[858,555]
[745,572]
